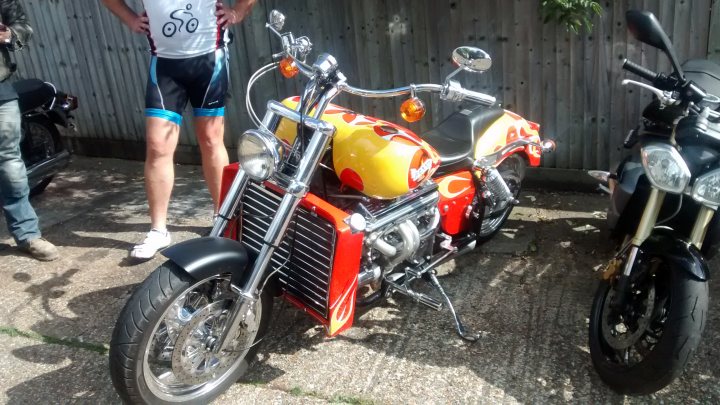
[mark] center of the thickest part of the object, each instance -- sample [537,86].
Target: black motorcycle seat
[705,73]
[33,93]
[455,136]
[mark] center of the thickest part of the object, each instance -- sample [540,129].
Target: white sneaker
[154,241]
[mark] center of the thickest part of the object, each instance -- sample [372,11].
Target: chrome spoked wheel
[181,361]
[165,346]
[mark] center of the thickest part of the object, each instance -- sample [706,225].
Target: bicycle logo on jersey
[172,27]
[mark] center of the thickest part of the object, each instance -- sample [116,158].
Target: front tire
[671,320]
[160,351]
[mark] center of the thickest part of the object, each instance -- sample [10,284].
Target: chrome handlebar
[451,91]
[299,48]
[399,91]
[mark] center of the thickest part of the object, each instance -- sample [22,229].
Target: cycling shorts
[203,80]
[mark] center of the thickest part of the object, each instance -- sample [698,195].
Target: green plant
[574,14]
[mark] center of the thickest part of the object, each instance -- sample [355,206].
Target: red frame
[457,191]
[346,259]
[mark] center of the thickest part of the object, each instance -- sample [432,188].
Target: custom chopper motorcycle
[43,108]
[329,209]
[650,309]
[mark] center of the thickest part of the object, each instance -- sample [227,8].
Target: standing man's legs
[165,100]
[208,101]
[210,133]
[162,138]
[21,219]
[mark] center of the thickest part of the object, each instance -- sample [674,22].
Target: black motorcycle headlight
[706,189]
[665,168]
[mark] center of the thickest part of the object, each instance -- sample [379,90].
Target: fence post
[714,33]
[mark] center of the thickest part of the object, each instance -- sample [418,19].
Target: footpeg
[471,337]
[417,296]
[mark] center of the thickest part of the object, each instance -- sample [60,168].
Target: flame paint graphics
[449,184]
[386,130]
[343,308]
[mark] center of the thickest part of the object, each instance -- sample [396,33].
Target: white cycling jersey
[183,28]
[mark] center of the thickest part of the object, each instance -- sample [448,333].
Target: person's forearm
[13,15]
[121,10]
[243,7]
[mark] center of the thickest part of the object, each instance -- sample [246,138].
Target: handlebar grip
[478,97]
[641,71]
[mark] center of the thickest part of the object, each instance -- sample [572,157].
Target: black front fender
[681,254]
[206,257]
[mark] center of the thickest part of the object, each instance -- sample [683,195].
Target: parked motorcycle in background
[329,209]
[649,311]
[43,107]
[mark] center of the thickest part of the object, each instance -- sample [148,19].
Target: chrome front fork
[697,235]
[645,227]
[297,189]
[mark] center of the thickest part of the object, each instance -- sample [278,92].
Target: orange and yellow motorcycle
[330,209]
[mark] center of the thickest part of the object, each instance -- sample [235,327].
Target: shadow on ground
[531,307]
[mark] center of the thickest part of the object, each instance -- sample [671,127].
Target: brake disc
[193,359]
[618,334]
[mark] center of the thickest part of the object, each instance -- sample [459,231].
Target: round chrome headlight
[665,168]
[259,154]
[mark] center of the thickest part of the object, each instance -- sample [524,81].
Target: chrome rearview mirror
[472,59]
[277,20]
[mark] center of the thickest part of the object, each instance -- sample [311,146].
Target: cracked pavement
[528,291]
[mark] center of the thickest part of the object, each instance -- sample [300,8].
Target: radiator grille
[310,240]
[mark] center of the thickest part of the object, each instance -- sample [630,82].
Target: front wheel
[161,350]
[644,346]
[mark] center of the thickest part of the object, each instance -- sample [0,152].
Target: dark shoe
[40,249]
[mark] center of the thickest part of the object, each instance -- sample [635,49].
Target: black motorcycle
[43,108]
[650,310]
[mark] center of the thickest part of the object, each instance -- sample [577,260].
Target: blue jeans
[21,219]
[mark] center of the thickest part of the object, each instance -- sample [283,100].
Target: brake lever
[659,93]
[273,30]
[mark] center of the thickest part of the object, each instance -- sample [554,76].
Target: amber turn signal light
[288,68]
[412,109]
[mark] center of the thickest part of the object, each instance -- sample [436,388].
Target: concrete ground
[528,291]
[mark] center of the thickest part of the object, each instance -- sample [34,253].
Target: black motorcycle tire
[512,170]
[57,145]
[681,336]
[142,311]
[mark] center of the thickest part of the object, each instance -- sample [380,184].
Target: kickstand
[470,337]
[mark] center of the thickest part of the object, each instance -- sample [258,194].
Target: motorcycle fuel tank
[378,158]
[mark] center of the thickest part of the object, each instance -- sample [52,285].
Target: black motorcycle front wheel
[161,350]
[646,345]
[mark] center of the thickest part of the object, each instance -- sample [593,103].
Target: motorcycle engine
[398,231]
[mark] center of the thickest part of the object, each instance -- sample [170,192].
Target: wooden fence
[568,83]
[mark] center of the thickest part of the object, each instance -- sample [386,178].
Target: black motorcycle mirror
[472,59]
[646,28]
[277,20]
